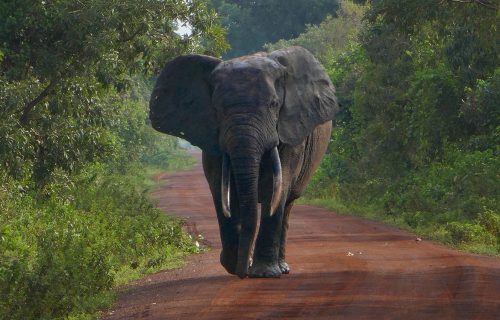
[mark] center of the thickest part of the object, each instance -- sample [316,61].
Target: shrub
[467,233]
[59,254]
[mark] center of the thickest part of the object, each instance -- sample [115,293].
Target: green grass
[148,171]
[470,237]
[367,212]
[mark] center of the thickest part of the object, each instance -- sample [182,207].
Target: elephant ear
[309,95]
[180,102]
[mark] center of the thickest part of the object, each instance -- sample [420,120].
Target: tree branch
[31,105]
[127,38]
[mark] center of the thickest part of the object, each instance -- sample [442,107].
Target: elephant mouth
[277,183]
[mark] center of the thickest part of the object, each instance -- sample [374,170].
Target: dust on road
[341,268]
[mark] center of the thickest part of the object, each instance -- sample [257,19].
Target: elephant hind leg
[283,265]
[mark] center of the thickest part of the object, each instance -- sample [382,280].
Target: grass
[452,234]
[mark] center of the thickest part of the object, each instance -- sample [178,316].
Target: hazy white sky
[183,28]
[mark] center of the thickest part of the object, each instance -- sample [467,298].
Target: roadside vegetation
[76,150]
[417,141]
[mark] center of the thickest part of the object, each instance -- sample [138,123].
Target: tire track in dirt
[342,268]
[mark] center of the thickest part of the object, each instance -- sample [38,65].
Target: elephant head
[242,109]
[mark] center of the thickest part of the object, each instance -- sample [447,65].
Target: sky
[183,28]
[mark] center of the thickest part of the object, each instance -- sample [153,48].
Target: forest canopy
[251,24]
[65,67]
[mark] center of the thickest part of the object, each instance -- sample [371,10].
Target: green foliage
[466,233]
[332,36]
[67,70]
[464,182]
[56,256]
[458,193]
[85,224]
[417,138]
[251,24]
[106,38]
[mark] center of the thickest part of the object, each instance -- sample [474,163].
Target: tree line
[417,139]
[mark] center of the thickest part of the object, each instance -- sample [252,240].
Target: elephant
[263,123]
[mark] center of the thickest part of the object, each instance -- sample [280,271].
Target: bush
[468,233]
[463,182]
[59,254]
[490,221]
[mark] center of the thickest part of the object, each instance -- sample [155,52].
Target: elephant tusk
[277,180]
[225,186]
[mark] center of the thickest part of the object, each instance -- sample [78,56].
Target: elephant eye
[274,104]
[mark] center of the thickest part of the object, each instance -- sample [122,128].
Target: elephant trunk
[245,152]
[277,183]
[246,173]
[246,139]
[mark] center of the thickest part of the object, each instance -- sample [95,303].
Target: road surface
[341,268]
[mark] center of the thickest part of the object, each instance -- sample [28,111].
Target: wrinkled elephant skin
[263,122]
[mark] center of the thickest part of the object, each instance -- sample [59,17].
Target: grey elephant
[263,122]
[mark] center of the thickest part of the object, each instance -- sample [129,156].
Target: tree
[54,41]
[66,66]
[332,36]
[251,24]
[418,137]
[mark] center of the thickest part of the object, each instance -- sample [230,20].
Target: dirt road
[341,268]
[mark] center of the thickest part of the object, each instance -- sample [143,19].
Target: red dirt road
[341,268]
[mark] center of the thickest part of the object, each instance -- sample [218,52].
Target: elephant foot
[228,261]
[264,270]
[284,267]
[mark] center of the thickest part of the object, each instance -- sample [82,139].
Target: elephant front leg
[283,265]
[267,248]
[230,234]
[228,227]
